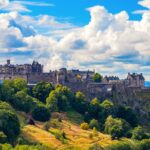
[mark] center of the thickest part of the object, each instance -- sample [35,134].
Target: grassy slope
[75,136]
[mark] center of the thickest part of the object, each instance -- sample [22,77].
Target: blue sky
[109,36]
[75,10]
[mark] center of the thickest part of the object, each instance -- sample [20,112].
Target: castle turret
[8,62]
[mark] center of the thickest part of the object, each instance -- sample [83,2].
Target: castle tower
[8,62]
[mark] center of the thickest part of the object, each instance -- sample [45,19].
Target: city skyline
[110,37]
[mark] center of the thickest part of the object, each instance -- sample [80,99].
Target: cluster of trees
[9,123]
[43,99]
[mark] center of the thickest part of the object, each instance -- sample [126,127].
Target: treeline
[43,99]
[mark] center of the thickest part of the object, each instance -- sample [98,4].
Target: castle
[75,79]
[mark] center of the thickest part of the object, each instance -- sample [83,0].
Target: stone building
[135,80]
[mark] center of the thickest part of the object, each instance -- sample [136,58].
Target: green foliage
[28,147]
[97,77]
[138,133]
[9,124]
[59,99]
[3,137]
[107,108]
[116,127]
[52,102]
[119,146]
[74,116]
[23,102]
[41,113]
[94,123]
[60,135]
[94,108]
[5,106]
[41,91]
[54,123]
[6,147]
[84,126]
[128,114]
[80,103]
[46,126]
[144,145]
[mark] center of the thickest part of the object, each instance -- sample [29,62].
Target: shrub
[138,133]
[3,137]
[94,123]
[119,146]
[41,90]
[144,144]
[116,127]
[41,113]
[9,124]
[46,126]
[55,123]
[84,126]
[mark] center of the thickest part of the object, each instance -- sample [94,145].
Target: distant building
[111,79]
[135,80]
[75,79]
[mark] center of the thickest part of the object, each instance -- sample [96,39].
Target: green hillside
[54,118]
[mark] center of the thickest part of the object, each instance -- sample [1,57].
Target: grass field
[75,137]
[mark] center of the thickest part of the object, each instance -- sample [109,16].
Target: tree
[97,77]
[80,103]
[116,127]
[128,114]
[5,106]
[94,123]
[23,102]
[52,102]
[3,137]
[10,87]
[138,133]
[41,113]
[94,108]
[59,99]
[41,91]
[9,124]
[107,108]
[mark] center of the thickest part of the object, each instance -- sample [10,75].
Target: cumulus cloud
[109,43]
[145,3]
[20,6]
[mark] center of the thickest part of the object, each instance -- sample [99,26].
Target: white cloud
[20,6]
[3,3]
[145,3]
[109,43]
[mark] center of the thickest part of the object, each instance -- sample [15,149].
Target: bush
[41,90]
[60,135]
[9,124]
[41,113]
[144,145]
[94,123]
[46,126]
[84,126]
[3,138]
[119,146]
[116,127]
[138,133]
[55,123]
[23,102]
